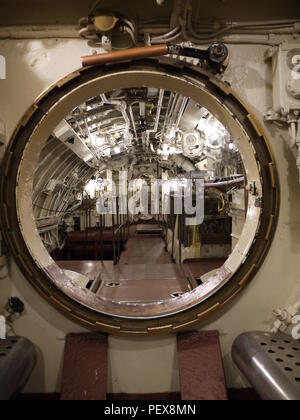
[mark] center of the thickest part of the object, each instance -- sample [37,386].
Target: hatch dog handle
[216,55]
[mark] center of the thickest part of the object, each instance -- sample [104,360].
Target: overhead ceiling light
[213,136]
[91,187]
[97,141]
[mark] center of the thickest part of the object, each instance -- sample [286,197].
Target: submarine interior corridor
[145,135]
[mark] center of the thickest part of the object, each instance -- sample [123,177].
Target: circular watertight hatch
[80,95]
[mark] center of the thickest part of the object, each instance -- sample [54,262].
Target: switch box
[286,78]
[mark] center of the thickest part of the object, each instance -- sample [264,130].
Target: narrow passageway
[145,248]
[145,271]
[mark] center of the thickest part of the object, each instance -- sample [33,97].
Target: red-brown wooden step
[85,367]
[200,366]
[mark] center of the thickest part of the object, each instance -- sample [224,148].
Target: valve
[15,306]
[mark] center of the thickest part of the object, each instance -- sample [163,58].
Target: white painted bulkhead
[148,365]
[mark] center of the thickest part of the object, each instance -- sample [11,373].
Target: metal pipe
[159,106]
[166,35]
[121,104]
[133,123]
[168,118]
[158,112]
[166,232]
[176,98]
[187,35]
[101,236]
[213,35]
[167,113]
[39,32]
[130,54]
[181,111]
[114,239]
[130,32]
[177,110]
[119,228]
[179,237]
[171,39]
[173,236]
[233,182]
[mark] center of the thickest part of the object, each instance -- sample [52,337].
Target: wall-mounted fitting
[105,23]
[99,27]
[284,317]
[15,306]
[285,61]
[13,310]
